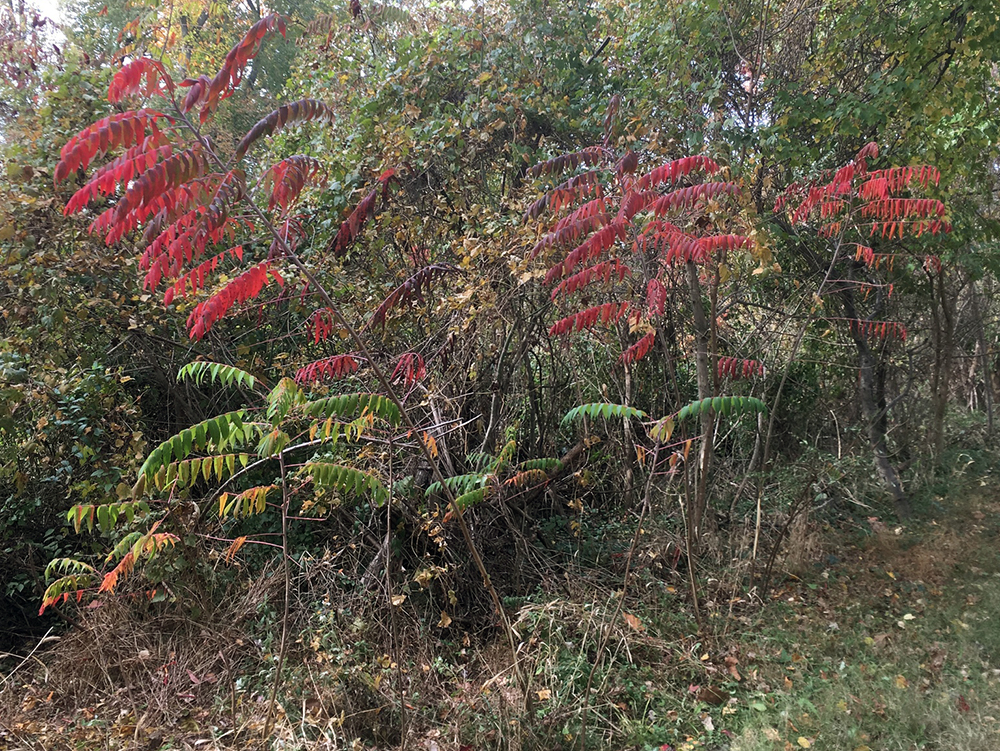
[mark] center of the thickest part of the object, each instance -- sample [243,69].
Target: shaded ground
[884,638]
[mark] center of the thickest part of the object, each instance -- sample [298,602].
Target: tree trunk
[702,360]
[942,335]
[871,395]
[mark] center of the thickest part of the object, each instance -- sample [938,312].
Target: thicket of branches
[480,294]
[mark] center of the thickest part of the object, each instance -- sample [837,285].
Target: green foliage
[723,405]
[216,434]
[226,374]
[347,480]
[353,405]
[603,410]
[459,484]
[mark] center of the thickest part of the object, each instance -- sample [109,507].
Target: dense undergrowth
[871,636]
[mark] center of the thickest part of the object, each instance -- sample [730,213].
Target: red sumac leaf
[412,289]
[608,313]
[293,112]
[638,350]
[246,286]
[337,366]
[129,80]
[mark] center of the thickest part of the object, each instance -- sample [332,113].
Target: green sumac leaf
[123,546]
[273,443]
[724,405]
[349,405]
[220,431]
[602,409]
[225,374]
[471,498]
[347,480]
[459,483]
[547,465]
[285,395]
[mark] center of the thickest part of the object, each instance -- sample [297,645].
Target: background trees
[458,161]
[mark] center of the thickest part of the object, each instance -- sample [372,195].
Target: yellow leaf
[445,620]
[544,694]
[804,742]
[633,622]
[901,681]
[398,600]
[431,444]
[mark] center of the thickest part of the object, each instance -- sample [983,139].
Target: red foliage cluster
[122,129]
[244,287]
[685,198]
[207,93]
[590,156]
[120,171]
[580,186]
[195,278]
[288,177]
[604,271]
[572,232]
[337,366]
[412,289]
[638,350]
[890,215]
[656,297]
[351,227]
[321,323]
[608,313]
[671,171]
[733,367]
[186,238]
[877,329]
[410,369]
[874,260]
[153,183]
[589,249]
[634,202]
[699,249]
[594,230]
[883,183]
[129,80]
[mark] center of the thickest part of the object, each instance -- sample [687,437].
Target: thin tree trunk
[943,336]
[985,356]
[874,413]
[705,382]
